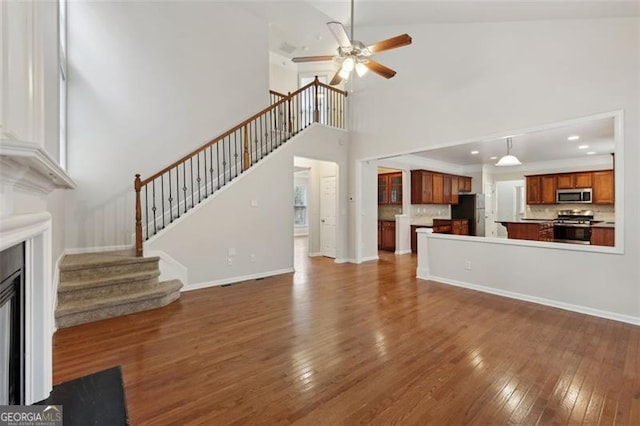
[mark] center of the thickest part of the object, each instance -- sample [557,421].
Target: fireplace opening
[12,326]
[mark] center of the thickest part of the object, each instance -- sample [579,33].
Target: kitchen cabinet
[387,235]
[603,187]
[535,231]
[454,189]
[603,236]
[421,187]
[437,188]
[451,226]
[541,189]
[533,189]
[414,238]
[464,184]
[390,188]
[573,180]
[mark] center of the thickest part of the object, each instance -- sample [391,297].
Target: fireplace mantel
[28,167]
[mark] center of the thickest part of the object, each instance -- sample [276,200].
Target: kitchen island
[527,229]
[597,233]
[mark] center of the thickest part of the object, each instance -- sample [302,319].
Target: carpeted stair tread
[73,262]
[77,306]
[81,284]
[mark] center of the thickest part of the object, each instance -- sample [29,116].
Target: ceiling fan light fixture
[361,69]
[348,64]
[508,160]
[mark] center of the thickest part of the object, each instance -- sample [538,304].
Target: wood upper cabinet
[446,189]
[583,180]
[390,188]
[464,184]
[603,187]
[438,188]
[421,187]
[565,181]
[574,180]
[435,188]
[548,189]
[455,182]
[533,190]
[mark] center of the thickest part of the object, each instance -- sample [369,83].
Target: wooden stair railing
[166,195]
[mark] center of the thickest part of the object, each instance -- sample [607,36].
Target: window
[300,205]
[62,51]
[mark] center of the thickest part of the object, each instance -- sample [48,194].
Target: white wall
[283,74]
[201,239]
[149,82]
[461,82]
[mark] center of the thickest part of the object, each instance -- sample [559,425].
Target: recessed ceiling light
[573,137]
[475,152]
[591,152]
[493,158]
[583,147]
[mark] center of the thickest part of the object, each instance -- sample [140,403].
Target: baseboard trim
[200,286]
[342,260]
[402,251]
[81,250]
[365,259]
[534,299]
[317,254]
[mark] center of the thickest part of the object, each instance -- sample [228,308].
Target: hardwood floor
[347,344]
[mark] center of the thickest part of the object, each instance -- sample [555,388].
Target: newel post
[247,158]
[137,185]
[316,109]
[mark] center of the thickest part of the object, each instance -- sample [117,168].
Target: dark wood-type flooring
[349,344]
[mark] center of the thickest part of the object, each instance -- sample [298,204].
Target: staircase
[104,285]
[96,286]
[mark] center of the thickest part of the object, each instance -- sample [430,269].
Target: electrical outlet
[467,265]
[253,257]
[229,261]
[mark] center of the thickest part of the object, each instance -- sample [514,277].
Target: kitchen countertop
[604,225]
[423,224]
[529,221]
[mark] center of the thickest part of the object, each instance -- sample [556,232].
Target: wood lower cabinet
[414,238]
[451,226]
[603,187]
[537,231]
[387,235]
[603,236]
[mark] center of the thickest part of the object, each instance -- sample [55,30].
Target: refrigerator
[471,207]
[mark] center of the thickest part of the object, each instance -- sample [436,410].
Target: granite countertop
[422,224]
[604,225]
[525,221]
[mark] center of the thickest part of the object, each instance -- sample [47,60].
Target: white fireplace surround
[35,231]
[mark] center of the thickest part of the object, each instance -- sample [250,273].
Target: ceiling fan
[353,54]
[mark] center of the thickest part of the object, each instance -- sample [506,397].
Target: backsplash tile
[388,212]
[605,213]
[425,213]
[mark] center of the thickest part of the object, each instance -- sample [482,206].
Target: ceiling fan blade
[391,43]
[339,33]
[313,58]
[336,79]
[379,69]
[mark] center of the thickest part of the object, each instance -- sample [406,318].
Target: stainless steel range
[573,226]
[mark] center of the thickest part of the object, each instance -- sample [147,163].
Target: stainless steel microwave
[574,195]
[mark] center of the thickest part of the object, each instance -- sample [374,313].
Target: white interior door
[328,216]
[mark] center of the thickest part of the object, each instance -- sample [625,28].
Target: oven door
[568,233]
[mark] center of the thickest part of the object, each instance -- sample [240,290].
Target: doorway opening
[315,208]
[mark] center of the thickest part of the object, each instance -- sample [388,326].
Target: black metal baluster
[162,198]
[178,190]
[199,180]
[146,211]
[224,164]
[170,200]
[153,208]
[218,161]
[211,166]
[206,191]
[184,186]
[235,148]
[191,170]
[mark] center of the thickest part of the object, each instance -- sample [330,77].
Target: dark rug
[97,399]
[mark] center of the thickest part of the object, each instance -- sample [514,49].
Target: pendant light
[508,160]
